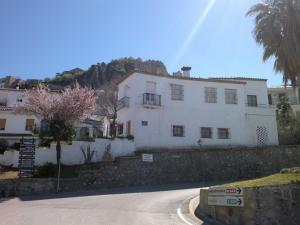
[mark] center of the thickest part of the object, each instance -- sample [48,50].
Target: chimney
[186,71]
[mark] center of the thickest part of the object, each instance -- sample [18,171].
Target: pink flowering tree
[60,110]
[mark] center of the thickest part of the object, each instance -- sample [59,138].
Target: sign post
[26,157]
[226,196]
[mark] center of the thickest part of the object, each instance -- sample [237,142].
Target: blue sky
[40,38]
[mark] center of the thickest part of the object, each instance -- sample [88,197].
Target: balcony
[151,100]
[123,103]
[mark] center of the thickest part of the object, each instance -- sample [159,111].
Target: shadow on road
[112,191]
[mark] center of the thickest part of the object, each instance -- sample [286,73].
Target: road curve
[156,205]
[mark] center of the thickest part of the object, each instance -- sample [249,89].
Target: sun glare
[193,32]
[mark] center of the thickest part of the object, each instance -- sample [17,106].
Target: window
[223,133]
[178,131]
[210,95]
[19,98]
[2,124]
[270,99]
[128,126]
[144,123]
[120,129]
[252,100]
[177,92]
[206,132]
[231,96]
[29,124]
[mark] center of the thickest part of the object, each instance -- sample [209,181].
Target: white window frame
[211,95]
[252,103]
[177,92]
[231,96]
[179,134]
[228,133]
[211,132]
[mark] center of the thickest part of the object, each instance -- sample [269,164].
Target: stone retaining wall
[170,166]
[273,205]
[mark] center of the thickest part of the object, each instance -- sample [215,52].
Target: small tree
[107,103]
[60,110]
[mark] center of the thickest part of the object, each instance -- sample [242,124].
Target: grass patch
[275,179]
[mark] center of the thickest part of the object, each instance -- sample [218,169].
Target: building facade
[14,126]
[184,112]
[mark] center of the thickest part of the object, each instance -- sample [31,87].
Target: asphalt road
[157,205]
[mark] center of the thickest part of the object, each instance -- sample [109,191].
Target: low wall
[72,154]
[273,205]
[186,166]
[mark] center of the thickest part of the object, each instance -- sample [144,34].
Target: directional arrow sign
[227,191]
[226,201]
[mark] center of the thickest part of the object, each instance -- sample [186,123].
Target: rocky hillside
[97,75]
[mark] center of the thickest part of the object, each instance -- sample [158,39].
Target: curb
[196,212]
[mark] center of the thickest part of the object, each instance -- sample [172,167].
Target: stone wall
[170,166]
[273,205]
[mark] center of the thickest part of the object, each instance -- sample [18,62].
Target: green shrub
[16,146]
[49,170]
[3,145]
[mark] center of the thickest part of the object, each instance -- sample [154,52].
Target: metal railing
[151,99]
[123,103]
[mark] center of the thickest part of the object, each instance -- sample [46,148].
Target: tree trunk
[58,156]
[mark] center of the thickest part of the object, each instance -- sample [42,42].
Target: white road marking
[182,218]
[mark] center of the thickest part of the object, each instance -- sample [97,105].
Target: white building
[183,112]
[276,93]
[15,126]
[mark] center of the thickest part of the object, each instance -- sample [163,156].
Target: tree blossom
[69,105]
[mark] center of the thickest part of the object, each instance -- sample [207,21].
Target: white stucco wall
[72,154]
[16,123]
[194,113]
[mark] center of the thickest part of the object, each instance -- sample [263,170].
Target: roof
[239,78]
[183,78]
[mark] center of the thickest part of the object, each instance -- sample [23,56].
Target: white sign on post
[147,157]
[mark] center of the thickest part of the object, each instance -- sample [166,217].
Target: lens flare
[193,32]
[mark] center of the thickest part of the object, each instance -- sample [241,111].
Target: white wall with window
[195,105]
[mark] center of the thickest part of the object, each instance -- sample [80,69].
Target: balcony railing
[151,100]
[123,103]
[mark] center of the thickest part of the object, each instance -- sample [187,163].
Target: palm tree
[277,29]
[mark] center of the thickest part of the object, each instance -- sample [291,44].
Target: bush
[49,170]
[16,146]
[3,145]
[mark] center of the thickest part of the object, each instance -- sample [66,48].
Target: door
[128,128]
